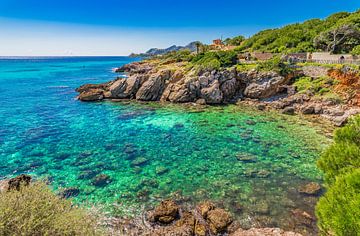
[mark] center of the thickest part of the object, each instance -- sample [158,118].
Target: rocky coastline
[153,80]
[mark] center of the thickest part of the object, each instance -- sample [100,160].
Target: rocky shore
[173,82]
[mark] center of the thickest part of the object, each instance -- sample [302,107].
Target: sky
[119,27]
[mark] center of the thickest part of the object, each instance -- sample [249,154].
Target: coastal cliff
[158,80]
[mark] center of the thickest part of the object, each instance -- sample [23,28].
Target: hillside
[338,33]
[161,51]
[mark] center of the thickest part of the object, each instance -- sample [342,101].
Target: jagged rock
[212,94]
[152,89]
[218,220]
[87,87]
[265,85]
[201,101]
[17,182]
[91,95]
[186,90]
[310,189]
[164,213]
[204,207]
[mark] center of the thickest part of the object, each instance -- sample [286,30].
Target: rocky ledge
[147,81]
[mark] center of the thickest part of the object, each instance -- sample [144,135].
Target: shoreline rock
[146,82]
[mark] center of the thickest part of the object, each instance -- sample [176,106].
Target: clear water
[191,153]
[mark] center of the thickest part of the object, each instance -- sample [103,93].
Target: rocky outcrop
[148,81]
[265,85]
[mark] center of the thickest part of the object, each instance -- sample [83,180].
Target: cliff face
[173,82]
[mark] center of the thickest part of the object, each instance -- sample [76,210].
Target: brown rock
[91,95]
[204,207]
[17,182]
[200,229]
[164,213]
[218,220]
[212,94]
[310,189]
[288,111]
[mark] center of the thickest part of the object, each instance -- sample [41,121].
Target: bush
[215,60]
[338,211]
[343,155]
[274,64]
[35,210]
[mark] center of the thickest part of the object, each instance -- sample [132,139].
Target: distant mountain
[158,51]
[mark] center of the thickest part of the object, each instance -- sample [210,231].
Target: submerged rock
[69,192]
[139,161]
[246,157]
[310,189]
[101,180]
[264,232]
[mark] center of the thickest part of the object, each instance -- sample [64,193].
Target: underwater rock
[303,218]
[88,174]
[250,122]
[17,182]
[310,189]
[62,156]
[218,220]
[69,192]
[263,174]
[161,170]
[164,213]
[246,157]
[262,207]
[139,161]
[101,180]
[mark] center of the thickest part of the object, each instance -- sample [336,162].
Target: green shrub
[274,64]
[215,60]
[344,154]
[338,211]
[316,86]
[356,51]
[35,210]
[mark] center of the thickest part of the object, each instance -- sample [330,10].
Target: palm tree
[198,45]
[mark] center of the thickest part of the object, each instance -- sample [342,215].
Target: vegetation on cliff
[36,210]
[338,210]
[339,33]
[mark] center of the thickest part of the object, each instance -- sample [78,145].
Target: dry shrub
[36,210]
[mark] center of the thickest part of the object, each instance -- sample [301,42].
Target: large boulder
[185,90]
[218,220]
[126,87]
[265,85]
[212,94]
[164,213]
[152,88]
[310,189]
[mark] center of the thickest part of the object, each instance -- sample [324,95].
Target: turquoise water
[249,161]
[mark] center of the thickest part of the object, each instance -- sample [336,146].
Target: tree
[339,39]
[234,41]
[198,46]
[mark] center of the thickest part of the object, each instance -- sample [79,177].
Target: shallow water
[151,151]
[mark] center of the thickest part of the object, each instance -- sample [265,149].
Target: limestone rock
[91,95]
[264,232]
[212,94]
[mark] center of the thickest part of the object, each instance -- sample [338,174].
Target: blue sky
[118,27]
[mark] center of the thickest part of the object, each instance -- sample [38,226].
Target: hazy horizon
[114,28]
